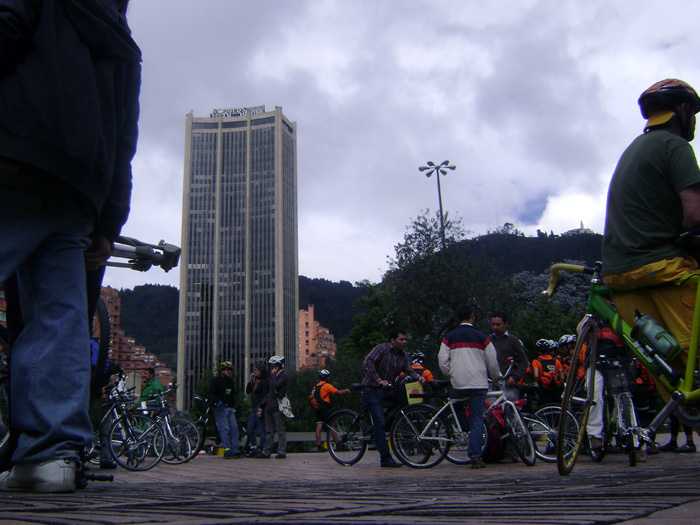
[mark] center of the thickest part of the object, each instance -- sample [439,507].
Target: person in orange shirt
[320,400]
[547,372]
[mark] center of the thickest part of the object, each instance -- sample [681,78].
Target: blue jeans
[43,240]
[255,422]
[475,421]
[228,428]
[373,399]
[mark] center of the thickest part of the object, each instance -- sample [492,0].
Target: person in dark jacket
[70,76]
[257,388]
[221,392]
[270,410]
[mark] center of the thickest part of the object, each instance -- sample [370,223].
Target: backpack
[315,398]
[549,372]
[495,446]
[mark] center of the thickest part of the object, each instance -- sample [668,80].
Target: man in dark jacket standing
[221,392]
[270,410]
[70,75]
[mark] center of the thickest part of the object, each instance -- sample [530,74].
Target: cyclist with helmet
[418,364]
[270,410]
[221,392]
[566,348]
[654,196]
[320,400]
[547,371]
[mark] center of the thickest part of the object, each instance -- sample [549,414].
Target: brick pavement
[312,488]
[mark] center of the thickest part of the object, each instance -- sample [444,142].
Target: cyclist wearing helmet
[320,400]
[547,371]
[221,392]
[382,365]
[269,408]
[566,348]
[654,196]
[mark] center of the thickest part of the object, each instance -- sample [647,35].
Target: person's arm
[492,362]
[369,365]
[444,359]
[690,198]
[521,360]
[18,20]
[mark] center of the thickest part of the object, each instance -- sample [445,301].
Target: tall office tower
[239,289]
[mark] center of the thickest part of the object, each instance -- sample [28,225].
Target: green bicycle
[578,397]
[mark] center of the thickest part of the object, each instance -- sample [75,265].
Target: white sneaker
[52,476]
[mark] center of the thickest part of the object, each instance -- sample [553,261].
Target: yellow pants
[672,306]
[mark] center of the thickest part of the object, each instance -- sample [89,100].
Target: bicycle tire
[458,452]
[519,434]
[186,437]
[577,397]
[352,436]
[544,429]
[242,434]
[416,444]
[136,442]
[626,424]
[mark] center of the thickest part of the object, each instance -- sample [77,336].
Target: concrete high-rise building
[316,342]
[239,290]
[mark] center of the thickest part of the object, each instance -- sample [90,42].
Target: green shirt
[644,214]
[152,386]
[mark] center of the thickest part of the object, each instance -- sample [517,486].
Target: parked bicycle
[349,433]
[422,435]
[209,438]
[653,346]
[182,435]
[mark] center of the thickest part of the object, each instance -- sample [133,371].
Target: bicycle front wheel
[346,437]
[519,434]
[544,429]
[136,442]
[626,407]
[578,398]
[416,441]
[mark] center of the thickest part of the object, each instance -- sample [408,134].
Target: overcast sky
[533,101]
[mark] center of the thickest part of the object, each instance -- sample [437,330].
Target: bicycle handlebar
[141,256]
[554,279]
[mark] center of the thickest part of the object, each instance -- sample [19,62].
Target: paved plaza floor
[312,488]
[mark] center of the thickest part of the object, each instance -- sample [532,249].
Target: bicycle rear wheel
[417,442]
[346,437]
[136,442]
[458,452]
[519,434]
[544,429]
[578,398]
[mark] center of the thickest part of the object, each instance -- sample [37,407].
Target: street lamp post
[439,169]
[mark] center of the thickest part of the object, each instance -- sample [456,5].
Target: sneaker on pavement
[54,476]
[596,444]
[262,455]
[108,465]
[478,463]
[281,456]
[688,447]
[669,447]
[640,456]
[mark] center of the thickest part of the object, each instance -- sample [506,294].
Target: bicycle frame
[680,384]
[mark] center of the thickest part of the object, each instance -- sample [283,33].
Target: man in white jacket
[468,357]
